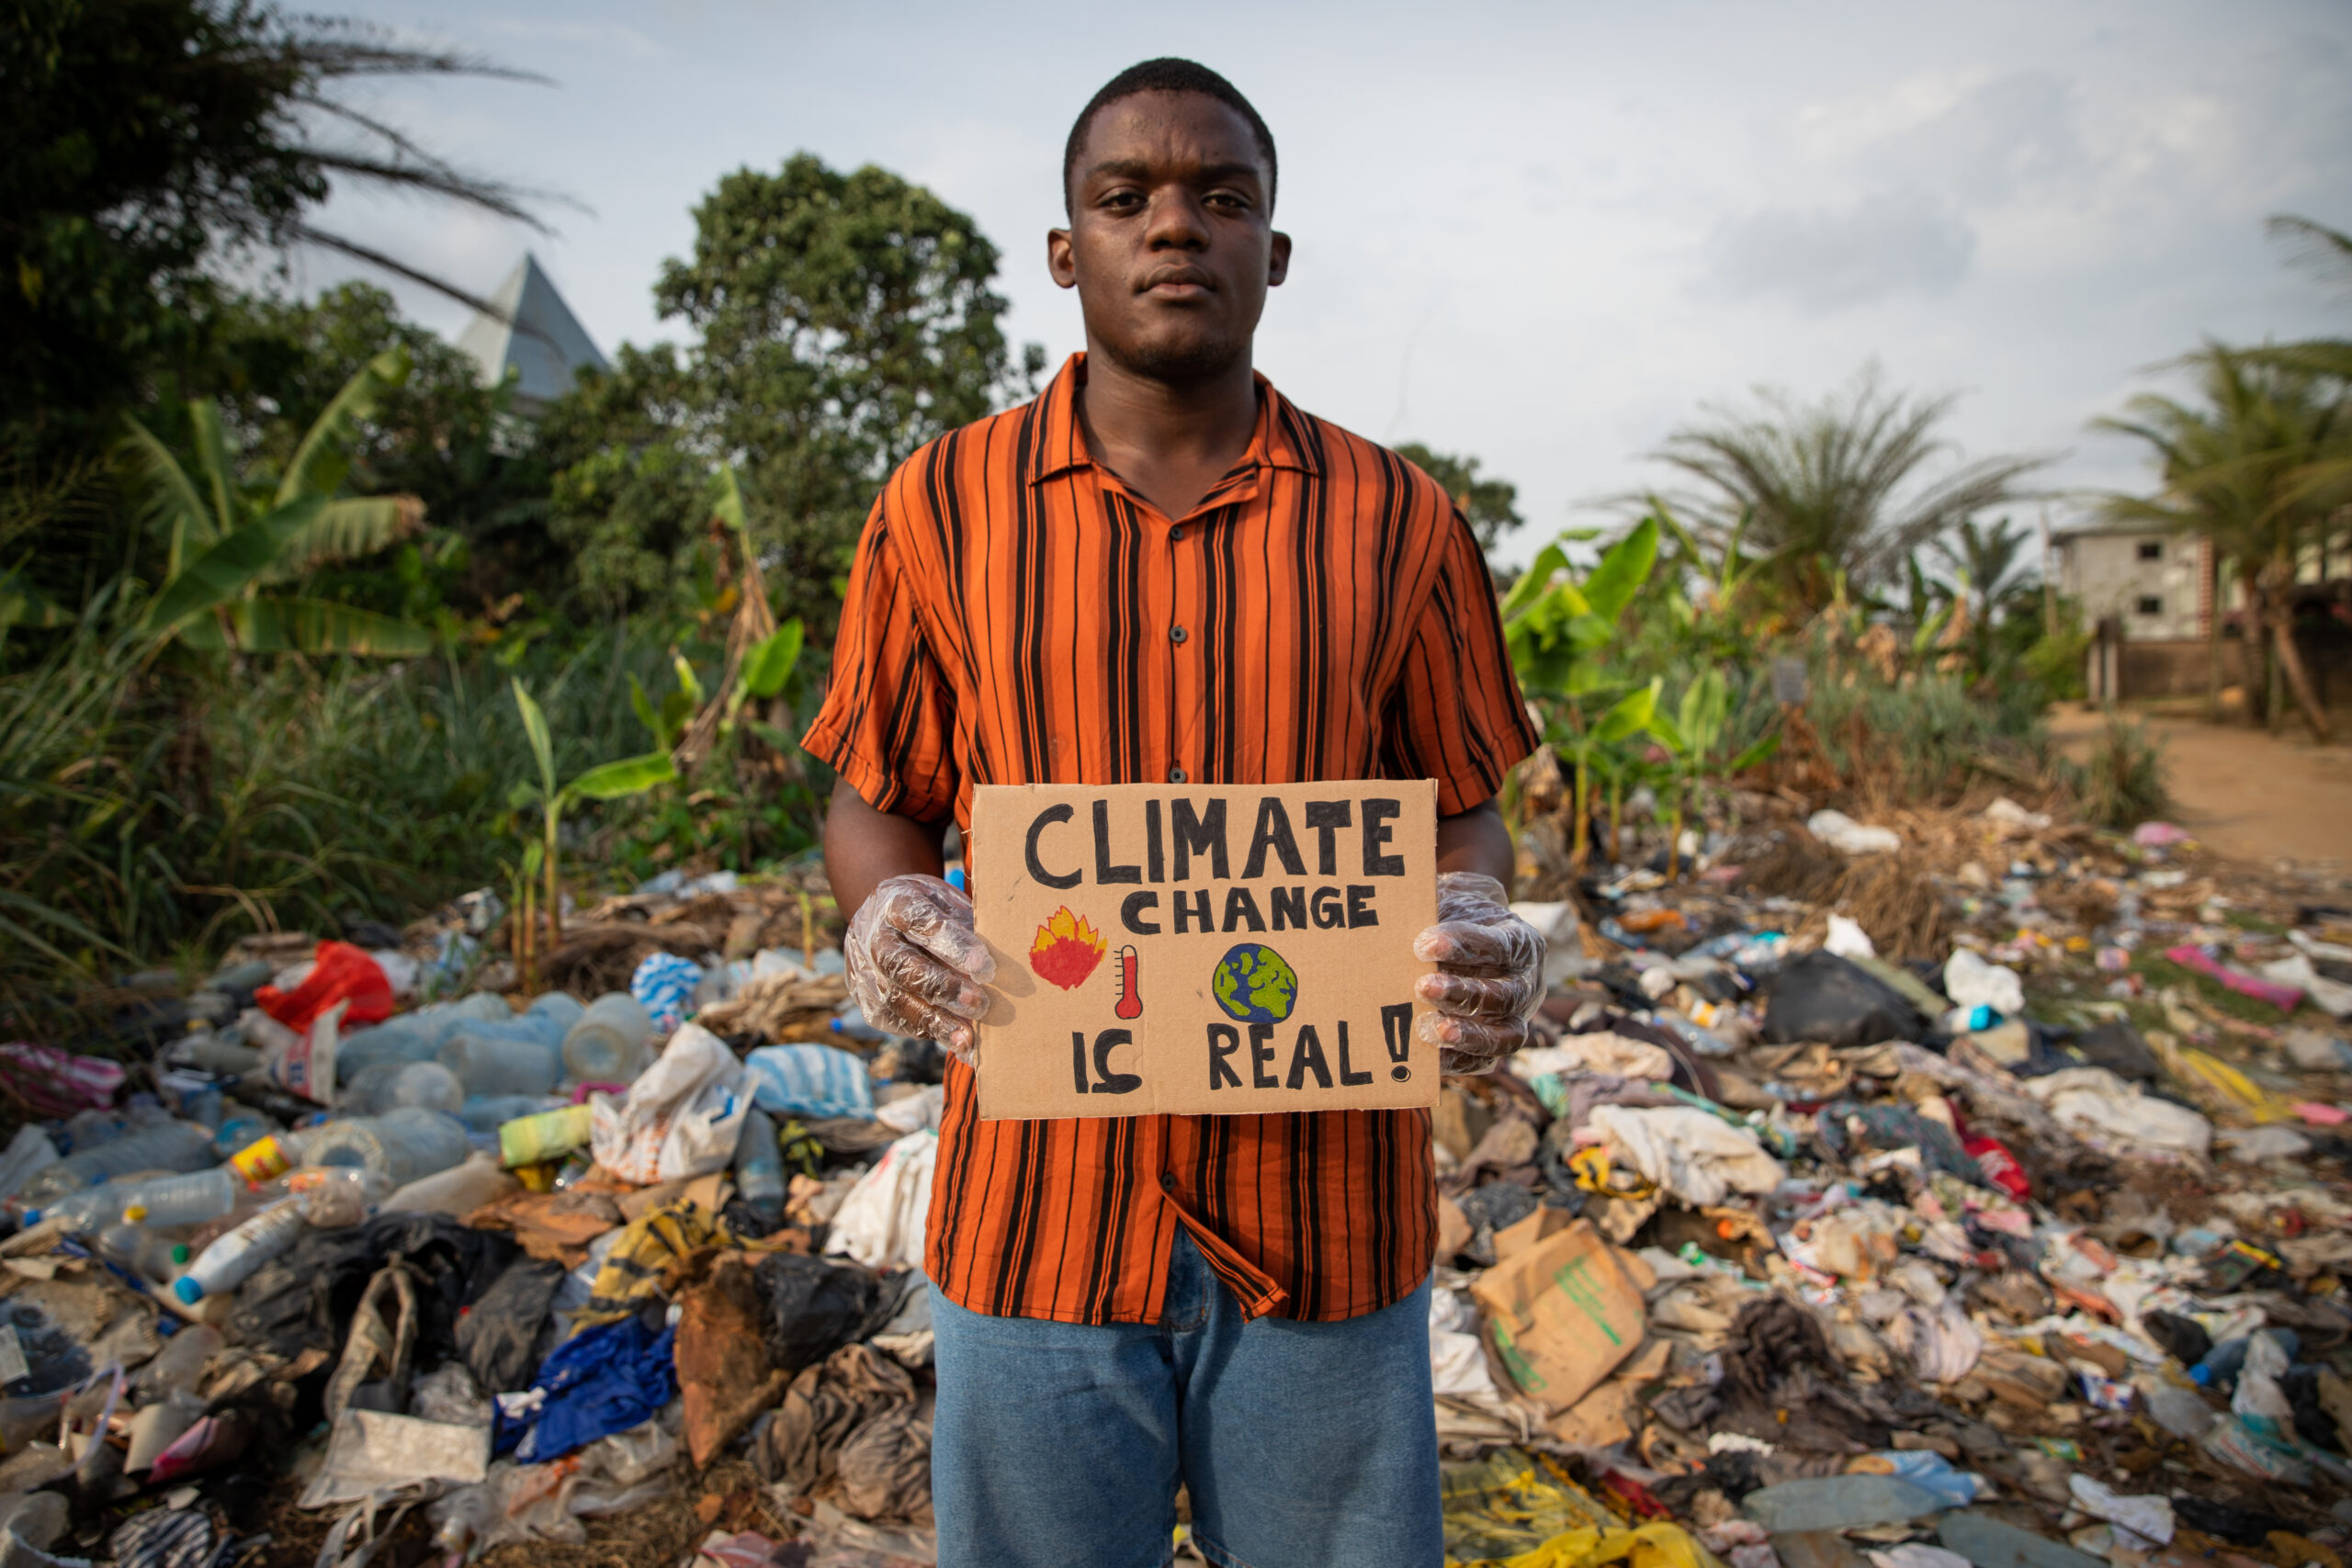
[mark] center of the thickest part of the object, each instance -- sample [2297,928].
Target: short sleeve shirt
[1017,614]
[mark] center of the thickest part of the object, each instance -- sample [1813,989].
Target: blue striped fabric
[810,1081]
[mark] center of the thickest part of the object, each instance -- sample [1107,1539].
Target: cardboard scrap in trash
[1565,1314]
[372,1451]
[1202,950]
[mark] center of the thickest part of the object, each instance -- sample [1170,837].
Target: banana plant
[608,781]
[226,541]
[1694,737]
[1558,631]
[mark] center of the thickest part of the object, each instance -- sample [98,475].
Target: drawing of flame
[1065,950]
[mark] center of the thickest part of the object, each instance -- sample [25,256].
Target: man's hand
[1490,978]
[916,965]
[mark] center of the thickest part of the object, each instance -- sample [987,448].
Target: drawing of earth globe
[1254,984]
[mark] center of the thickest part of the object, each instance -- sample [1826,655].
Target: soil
[2249,794]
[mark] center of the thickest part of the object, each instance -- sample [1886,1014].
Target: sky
[1542,235]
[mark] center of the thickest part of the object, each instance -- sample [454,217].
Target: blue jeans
[1305,1445]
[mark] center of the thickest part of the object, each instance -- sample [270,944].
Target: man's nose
[1176,222]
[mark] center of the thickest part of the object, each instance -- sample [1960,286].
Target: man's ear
[1277,260]
[1062,260]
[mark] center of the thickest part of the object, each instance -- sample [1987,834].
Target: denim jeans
[1304,1445]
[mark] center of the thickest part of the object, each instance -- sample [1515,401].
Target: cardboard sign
[1204,949]
[1564,1313]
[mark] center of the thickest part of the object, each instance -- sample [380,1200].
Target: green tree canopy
[1491,504]
[842,321]
[1842,486]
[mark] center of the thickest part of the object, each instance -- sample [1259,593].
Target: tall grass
[147,810]
[1929,736]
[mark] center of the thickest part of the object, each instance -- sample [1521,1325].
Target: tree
[1986,559]
[225,539]
[2235,470]
[1837,487]
[149,141]
[1491,504]
[844,320]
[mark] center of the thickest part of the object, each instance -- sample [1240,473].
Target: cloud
[1995,141]
[1823,259]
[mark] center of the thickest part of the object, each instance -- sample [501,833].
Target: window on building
[2151,605]
[2151,549]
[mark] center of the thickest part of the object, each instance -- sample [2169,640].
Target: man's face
[1171,245]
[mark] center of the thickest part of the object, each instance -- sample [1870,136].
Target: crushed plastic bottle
[389,1086]
[154,1254]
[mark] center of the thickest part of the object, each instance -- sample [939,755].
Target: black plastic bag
[815,1307]
[2117,1047]
[305,1299]
[1822,996]
[499,1335]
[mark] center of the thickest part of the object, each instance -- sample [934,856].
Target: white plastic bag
[683,1117]
[1971,982]
[880,1223]
[1690,1153]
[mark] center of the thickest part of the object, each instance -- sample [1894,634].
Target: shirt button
[1175,776]
[1177,633]
[1176,534]
[1168,1181]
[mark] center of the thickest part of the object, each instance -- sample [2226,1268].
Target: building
[2157,584]
[534,337]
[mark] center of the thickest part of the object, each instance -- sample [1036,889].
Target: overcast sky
[1540,235]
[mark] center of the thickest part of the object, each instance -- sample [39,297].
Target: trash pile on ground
[374,1258]
[1952,1189]
[1943,1190]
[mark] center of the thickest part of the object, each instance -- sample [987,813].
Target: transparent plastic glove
[916,965]
[1490,978]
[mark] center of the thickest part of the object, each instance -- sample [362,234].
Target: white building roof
[540,340]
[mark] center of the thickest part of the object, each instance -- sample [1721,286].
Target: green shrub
[2121,784]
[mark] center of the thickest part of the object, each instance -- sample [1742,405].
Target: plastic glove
[916,965]
[1490,978]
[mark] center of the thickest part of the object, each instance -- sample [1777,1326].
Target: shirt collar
[1061,443]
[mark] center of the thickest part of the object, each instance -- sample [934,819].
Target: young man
[1161,571]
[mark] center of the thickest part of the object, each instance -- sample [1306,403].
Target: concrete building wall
[2151,581]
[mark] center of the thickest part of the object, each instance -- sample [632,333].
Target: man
[1160,570]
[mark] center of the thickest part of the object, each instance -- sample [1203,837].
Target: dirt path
[2251,796]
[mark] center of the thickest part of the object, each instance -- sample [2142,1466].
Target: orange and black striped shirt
[1017,614]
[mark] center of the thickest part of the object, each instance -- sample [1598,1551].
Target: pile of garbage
[1945,1190]
[2029,1247]
[373,1256]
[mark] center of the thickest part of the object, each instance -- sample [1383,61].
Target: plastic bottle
[388,1086]
[334,1197]
[1705,1042]
[173,1146]
[522,1055]
[160,1201]
[266,1159]
[2222,1363]
[416,1036]
[460,1189]
[400,1145]
[611,1044]
[1840,1501]
[485,1114]
[239,1132]
[758,1169]
[155,1254]
[231,1260]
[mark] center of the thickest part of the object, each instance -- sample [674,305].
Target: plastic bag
[881,1224]
[684,1118]
[339,973]
[810,1081]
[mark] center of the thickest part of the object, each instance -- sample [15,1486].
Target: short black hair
[1169,75]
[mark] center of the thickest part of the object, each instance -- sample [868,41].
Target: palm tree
[1835,487]
[2236,470]
[1986,559]
[225,540]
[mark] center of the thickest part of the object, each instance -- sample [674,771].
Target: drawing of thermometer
[1130,1001]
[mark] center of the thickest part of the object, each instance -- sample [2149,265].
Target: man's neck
[1171,442]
